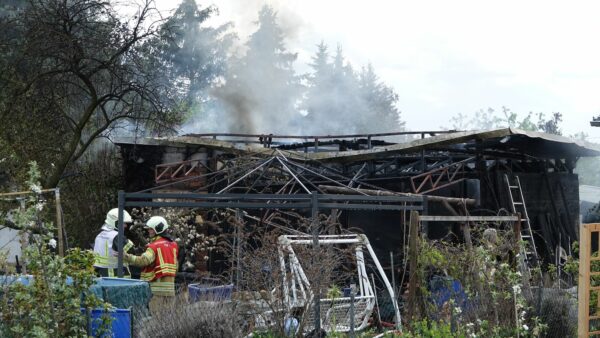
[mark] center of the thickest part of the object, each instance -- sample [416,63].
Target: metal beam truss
[279,174]
[170,172]
[440,177]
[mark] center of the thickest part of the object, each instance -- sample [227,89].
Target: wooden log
[370,192]
[21,193]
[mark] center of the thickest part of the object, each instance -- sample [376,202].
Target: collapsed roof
[507,141]
[461,166]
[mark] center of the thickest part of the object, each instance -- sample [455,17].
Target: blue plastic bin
[121,323]
[208,292]
[124,294]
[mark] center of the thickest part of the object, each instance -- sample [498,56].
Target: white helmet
[158,224]
[112,218]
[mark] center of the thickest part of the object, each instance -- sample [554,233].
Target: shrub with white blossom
[496,305]
[188,228]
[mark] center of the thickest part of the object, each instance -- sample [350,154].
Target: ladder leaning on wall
[528,251]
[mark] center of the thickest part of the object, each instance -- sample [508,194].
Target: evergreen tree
[348,108]
[196,55]
[327,95]
[382,115]
[321,65]
[262,88]
[340,101]
[319,82]
[332,97]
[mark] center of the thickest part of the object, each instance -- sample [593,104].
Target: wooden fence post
[583,290]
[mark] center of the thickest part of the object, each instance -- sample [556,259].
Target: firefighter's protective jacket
[105,258]
[160,265]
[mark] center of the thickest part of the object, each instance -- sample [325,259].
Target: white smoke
[260,104]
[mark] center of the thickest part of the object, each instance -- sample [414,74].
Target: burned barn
[475,173]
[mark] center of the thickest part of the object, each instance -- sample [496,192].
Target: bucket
[121,322]
[208,292]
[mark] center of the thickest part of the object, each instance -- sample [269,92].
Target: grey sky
[449,57]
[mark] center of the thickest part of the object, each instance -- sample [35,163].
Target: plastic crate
[207,292]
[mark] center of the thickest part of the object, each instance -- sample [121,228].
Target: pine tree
[332,100]
[348,105]
[320,82]
[195,54]
[340,101]
[382,115]
[262,88]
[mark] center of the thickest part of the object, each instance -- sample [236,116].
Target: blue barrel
[121,325]
[208,292]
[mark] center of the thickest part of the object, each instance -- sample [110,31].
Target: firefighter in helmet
[106,245]
[159,262]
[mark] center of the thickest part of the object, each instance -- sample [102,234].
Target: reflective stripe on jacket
[104,255]
[165,260]
[160,265]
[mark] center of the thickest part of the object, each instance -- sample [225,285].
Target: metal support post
[423,164]
[351,335]
[315,234]
[121,206]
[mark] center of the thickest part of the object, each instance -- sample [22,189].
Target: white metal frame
[297,291]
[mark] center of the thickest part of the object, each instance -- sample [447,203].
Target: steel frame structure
[312,201]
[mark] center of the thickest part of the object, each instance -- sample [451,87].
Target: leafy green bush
[431,329]
[50,304]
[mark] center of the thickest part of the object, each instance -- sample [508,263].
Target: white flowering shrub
[495,304]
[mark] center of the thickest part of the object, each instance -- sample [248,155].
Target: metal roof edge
[586,148]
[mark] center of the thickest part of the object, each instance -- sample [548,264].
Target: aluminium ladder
[517,202]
